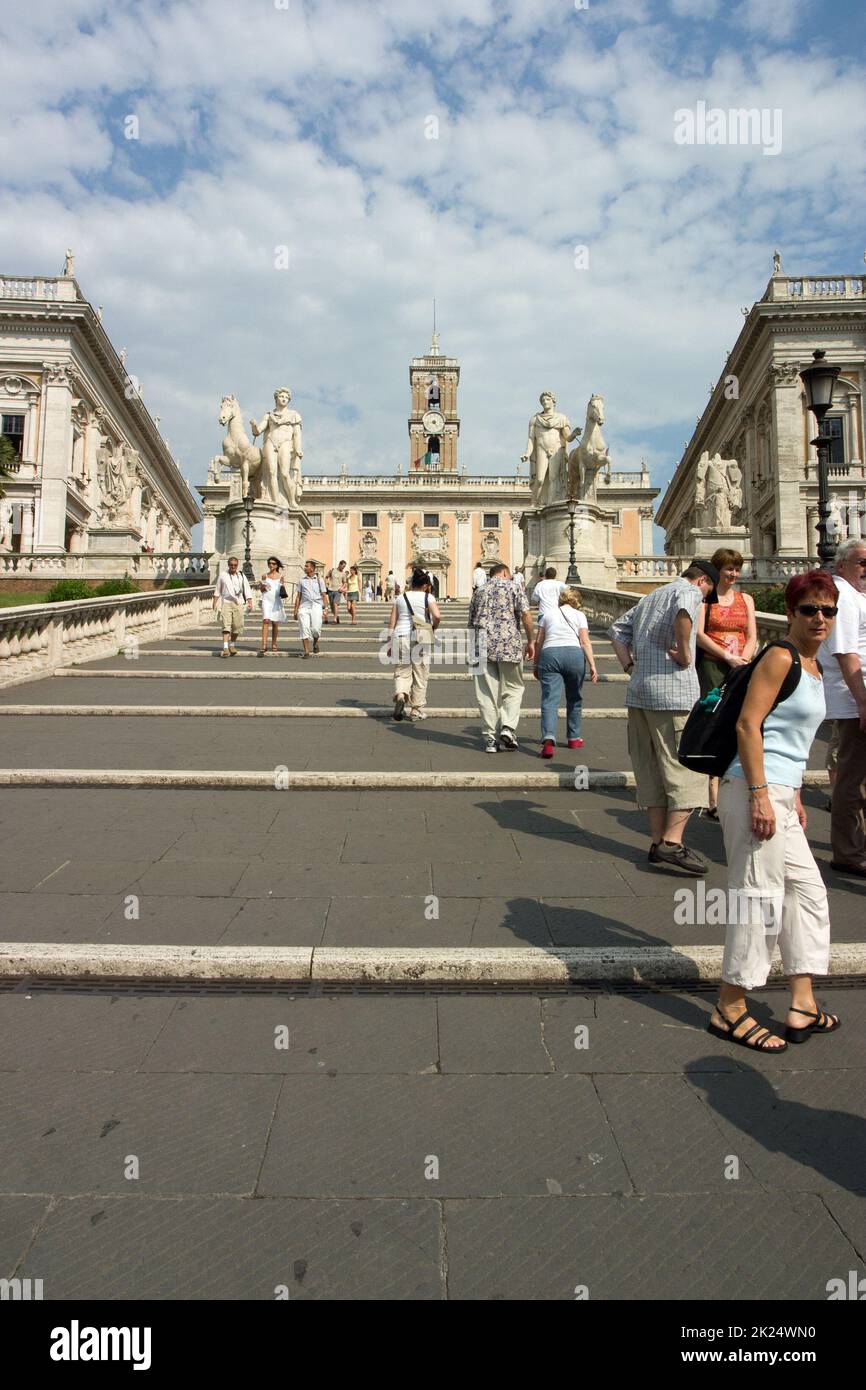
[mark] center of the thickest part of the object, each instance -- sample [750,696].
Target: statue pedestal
[276,530]
[546,533]
[114,540]
[705,540]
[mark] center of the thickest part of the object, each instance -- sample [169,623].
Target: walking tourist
[563,652]
[520,579]
[353,591]
[843,658]
[273,613]
[655,644]
[497,612]
[415,616]
[368,592]
[779,894]
[336,584]
[479,576]
[389,586]
[727,637]
[309,607]
[232,597]
[547,591]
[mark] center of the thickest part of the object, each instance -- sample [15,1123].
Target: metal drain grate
[44,984]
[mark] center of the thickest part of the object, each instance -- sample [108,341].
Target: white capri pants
[310,620]
[780,872]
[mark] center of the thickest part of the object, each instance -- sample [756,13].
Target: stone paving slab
[322,1036]
[74,1133]
[492,1035]
[20,1218]
[374,1136]
[78,1033]
[229,1248]
[675,1247]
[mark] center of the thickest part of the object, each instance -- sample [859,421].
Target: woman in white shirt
[562,653]
[273,612]
[414,618]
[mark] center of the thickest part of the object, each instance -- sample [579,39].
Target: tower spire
[434,344]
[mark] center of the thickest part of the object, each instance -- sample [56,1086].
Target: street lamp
[819,380]
[249,502]
[572,577]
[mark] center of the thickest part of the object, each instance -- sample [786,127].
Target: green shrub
[176,583]
[66,589]
[770,600]
[109,587]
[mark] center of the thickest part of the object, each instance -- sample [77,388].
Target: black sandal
[759,1045]
[824,1023]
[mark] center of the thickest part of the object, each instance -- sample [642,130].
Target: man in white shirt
[479,577]
[231,594]
[309,607]
[546,592]
[843,659]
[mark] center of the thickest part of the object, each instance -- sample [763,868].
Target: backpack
[708,742]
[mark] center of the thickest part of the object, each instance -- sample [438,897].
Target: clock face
[433,422]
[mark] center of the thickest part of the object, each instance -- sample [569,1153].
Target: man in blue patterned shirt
[497,612]
[655,644]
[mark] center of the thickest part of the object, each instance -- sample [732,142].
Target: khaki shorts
[233,618]
[653,739]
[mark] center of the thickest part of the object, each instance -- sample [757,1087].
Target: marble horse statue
[591,455]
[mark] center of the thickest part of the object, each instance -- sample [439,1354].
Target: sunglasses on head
[827,610]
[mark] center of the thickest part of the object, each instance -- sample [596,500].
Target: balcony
[37,287]
[801,287]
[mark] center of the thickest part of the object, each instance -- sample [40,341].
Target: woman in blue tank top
[775,890]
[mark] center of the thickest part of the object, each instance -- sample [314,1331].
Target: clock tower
[434,423]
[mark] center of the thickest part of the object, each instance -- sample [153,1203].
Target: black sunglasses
[827,610]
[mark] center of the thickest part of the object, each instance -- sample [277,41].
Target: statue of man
[718,507]
[735,491]
[282,449]
[548,439]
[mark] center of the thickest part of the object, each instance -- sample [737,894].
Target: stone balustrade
[37,287]
[603,606]
[100,565]
[821,287]
[37,639]
[762,569]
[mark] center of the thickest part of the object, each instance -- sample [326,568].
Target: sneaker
[548,748]
[224,652]
[233,651]
[399,707]
[508,740]
[575,743]
[316,646]
[680,858]
[490,744]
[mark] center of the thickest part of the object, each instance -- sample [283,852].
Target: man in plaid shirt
[497,611]
[655,644]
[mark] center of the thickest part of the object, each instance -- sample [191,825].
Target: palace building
[93,490]
[749,475]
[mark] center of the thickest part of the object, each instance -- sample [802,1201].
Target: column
[56,456]
[646,530]
[397,547]
[787,443]
[515,546]
[463,579]
[341,537]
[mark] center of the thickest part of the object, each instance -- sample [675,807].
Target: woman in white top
[562,653]
[273,612]
[414,617]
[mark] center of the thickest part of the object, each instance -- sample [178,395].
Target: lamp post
[249,501]
[572,577]
[819,379]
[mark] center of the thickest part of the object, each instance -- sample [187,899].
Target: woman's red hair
[817,582]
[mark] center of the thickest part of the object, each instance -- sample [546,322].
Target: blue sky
[308,127]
